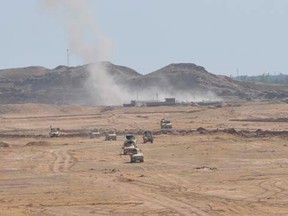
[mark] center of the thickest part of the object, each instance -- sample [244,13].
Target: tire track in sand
[63,161]
[171,182]
[152,196]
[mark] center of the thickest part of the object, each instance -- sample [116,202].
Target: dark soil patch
[38,143]
[4,145]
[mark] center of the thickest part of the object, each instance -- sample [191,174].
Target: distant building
[167,102]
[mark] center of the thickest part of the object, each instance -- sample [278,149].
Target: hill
[190,78]
[108,84]
[63,85]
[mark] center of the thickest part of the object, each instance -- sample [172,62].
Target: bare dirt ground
[185,172]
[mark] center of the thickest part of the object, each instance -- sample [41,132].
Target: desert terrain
[229,167]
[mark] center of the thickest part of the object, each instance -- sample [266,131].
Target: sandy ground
[183,173]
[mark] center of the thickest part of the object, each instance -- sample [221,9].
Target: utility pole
[67,58]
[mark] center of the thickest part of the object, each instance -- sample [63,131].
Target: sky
[224,36]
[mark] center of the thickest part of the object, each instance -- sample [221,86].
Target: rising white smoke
[85,37]
[88,42]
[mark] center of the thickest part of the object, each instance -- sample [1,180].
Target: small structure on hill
[150,103]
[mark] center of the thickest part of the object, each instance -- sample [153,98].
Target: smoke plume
[88,42]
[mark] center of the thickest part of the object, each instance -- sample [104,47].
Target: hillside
[59,85]
[99,85]
[188,77]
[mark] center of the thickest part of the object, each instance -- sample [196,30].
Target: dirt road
[183,174]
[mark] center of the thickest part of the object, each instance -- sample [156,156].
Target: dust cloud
[88,42]
[156,94]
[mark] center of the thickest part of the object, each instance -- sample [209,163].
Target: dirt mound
[230,131]
[125,179]
[206,168]
[38,143]
[201,130]
[4,145]
[107,171]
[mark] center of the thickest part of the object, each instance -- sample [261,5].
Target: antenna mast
[67,58]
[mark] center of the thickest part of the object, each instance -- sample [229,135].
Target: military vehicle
[136,155]
[111,135]
[165,124]
[95,133]
[54,132]
[129,144]
[130,136]
[147,137]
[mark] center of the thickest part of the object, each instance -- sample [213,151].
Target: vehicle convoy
[136,155]
[165,124]
[147,136]
[54,132]
[129,144]
[111,135]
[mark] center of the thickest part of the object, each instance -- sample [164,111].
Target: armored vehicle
[95,133]
[129,144]
[110,136]
[165,124]
[147,137]
[54,132]
[136,155]
[130,136]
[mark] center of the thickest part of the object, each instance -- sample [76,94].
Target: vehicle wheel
[142,160]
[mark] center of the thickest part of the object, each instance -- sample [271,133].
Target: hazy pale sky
[221,35]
